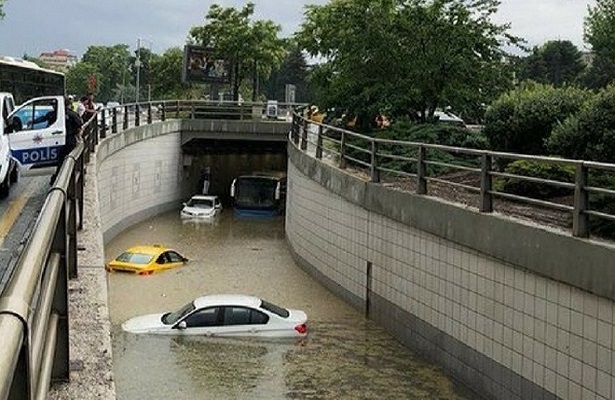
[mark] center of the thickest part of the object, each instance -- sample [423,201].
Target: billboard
[200,66]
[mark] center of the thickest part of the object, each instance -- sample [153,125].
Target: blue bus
[259,194]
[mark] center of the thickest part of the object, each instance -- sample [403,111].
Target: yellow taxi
[145,260]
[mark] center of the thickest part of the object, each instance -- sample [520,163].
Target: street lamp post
[138,65]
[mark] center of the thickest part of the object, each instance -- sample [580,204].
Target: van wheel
[15,174]
[5,187]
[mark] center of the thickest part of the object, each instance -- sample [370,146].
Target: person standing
[90,107]
[81,106]
[73,126]
[206,179]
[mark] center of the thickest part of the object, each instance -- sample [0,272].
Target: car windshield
[134,258]
[200,203]
[173,317]
[282,312]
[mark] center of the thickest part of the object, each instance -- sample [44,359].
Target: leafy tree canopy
[405,56]
[110,64]
[166,75]
[77,78]
[1,9]
[600,28]
[557,62]
[253,45]
[293,70]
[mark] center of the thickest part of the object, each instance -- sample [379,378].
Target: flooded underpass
[344,356]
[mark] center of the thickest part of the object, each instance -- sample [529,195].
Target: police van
[9,172]
[36,132]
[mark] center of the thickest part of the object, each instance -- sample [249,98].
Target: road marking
[8,218]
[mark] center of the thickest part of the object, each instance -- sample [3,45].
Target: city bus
[26,80]
[261,194]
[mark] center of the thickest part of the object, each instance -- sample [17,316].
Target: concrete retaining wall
[140,174]
[504,307]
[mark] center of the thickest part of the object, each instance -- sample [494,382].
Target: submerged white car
[201,206]
[224,315]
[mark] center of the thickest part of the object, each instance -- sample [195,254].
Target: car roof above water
[227,299]
[203,197]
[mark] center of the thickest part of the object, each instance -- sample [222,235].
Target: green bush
[535,169]
[522,120]
[430,133]
[590,135]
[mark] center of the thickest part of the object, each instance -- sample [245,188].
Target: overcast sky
[35,26]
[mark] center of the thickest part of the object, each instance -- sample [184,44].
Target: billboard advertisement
[201,66]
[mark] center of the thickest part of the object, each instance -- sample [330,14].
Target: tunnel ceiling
[198,147]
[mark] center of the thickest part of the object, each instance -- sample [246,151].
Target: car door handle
[57,132]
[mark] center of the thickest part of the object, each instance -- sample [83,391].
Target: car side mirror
[184,204]
[182,325]
[184,259]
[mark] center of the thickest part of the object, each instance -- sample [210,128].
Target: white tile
[605,310]
[605,334]
[576,370]
[603,384]
[561,386]
[589,377]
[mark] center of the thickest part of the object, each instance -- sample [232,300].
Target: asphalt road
[18,214]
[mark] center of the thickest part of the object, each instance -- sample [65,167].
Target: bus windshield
[255,192]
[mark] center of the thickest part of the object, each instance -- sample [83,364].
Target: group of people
[75,117]
[85,107]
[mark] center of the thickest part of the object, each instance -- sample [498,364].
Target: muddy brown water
[344,357]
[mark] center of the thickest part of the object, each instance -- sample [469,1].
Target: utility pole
[138,65]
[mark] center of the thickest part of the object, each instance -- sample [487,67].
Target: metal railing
[125,116]
[378,157]
[34,305]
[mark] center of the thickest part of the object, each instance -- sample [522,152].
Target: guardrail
[129,115]
[378,158]
[34,305]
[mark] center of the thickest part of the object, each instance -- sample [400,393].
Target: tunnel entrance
[228,159]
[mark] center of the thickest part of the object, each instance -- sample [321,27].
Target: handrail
[367,153]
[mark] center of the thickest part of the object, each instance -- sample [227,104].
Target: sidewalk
[91,375]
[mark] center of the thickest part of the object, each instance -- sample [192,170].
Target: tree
[78,76]
[599,28]
[405,56]
[1,9]
[557,62]
[254,47]
[166,75]
[599,33]
[112,67]
[599,74]
[293,70]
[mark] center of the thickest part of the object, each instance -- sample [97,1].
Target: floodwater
[344,356]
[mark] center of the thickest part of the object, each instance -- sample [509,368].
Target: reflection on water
[344,356]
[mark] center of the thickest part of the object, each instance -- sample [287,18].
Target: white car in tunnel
[201,206]
[224,315]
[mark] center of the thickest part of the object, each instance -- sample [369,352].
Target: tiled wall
[506,332]
[142,179]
